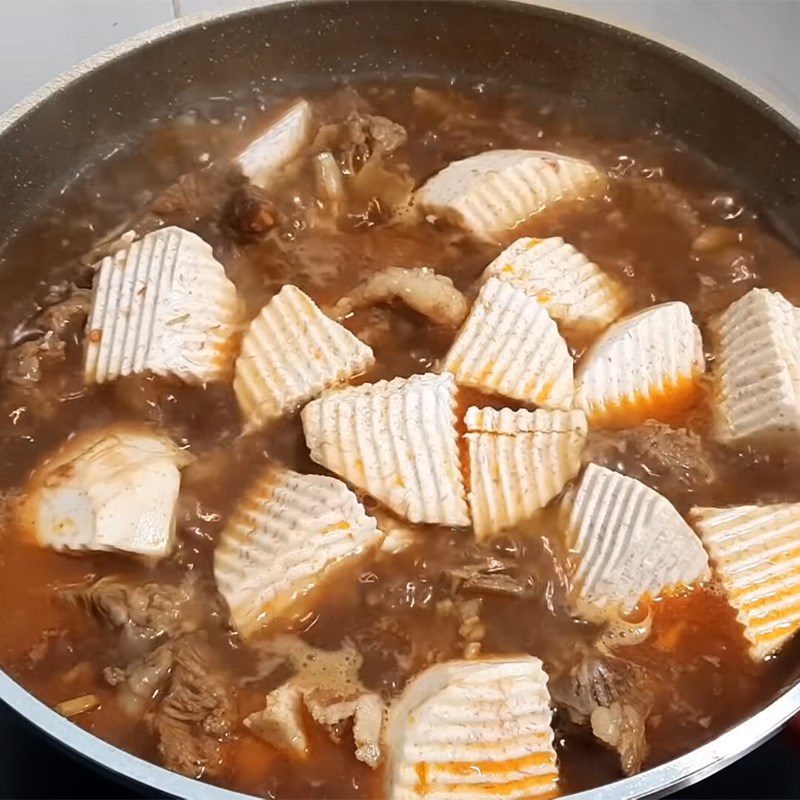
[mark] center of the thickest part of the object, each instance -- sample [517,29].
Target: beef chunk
[614,697]
[25,364]
[141,680]
[673,461]
[65,308]
[193,196]
[359,137]
[142,612]
[250,213]
[197,712]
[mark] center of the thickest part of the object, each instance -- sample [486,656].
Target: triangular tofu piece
[290,353]
[518,462]
[281,142]
[396,440]
[287,534]
[510,346]
[163,305]
[755,552]
[626,542]
[575,291]
[112,489]
[476,730]
[645,366]
[757,371]
[488,194]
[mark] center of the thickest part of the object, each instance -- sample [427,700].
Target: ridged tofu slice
[281,142]
[755,553]
[489,193]
[396,440]
[112,489]
[626,542]
[288,533]
[575,291]
[645,366]
[510,346]
[290,353]
[165,306]
[518,462]
[476,730]
[757,371]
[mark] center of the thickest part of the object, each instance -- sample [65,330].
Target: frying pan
[83,116]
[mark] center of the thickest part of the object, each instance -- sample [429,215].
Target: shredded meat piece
[664,198]
[280,723]
[197,712]
[367,725]
[612,695]
[673,461]
[141,680]
[364,710]
[467,614]
[487,578]
[250,212]
[146,611]
[432,295]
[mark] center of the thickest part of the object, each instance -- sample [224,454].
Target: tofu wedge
[288,533]
[473,729]
[518,462]
[755,553]
[645,366]
[490,193]
[510,346]
[575,291]
[112,489]
[757,371]
[626,542]
[279,144]
[395,440]
[290,353]
[165,306]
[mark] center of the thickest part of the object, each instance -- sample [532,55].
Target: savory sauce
[670,227]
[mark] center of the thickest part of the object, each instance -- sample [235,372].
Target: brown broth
[387,606]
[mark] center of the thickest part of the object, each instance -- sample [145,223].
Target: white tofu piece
[518,462]
[510,346]
[626,542]
[755,553]
[280,723]
[164,305]
[575,291]
[288,533]
[757,371]
[113,489]
[279,144]
[476,730]
[645,366]
[489,193]
[396,440]
[290,353]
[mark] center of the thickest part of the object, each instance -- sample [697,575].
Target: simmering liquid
[669,227]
